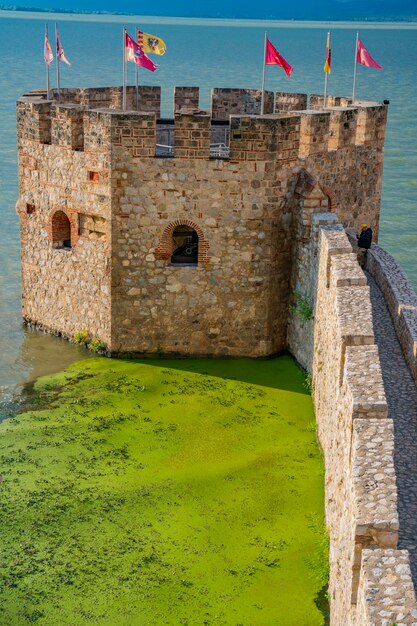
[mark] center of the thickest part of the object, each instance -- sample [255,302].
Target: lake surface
[209,54]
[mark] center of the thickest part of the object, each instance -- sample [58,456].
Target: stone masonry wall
[226,101]
[370,581]
[149,100]
[63,290]
[186,99]
[290,101]
[226,304]
[386,595]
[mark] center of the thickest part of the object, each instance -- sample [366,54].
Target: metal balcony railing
[219,141]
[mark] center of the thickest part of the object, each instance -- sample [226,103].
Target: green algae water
[183,492]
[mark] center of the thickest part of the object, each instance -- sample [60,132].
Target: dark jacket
[365,238]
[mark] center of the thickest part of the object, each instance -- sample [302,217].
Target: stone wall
[226,101]
[285,102]
[356,433]
[186,99]
[317,101]
[386,595]
[149,98]
[63,290]
[350,411]
[225,305]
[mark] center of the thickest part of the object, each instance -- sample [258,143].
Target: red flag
[273,57]
[135,54]
[364,58]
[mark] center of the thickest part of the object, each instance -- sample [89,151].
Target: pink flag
[135,54]
[47,51]
[273,57]
[364,58]
[60,54]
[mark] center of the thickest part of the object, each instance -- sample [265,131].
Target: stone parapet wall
[312,132]
[148,98]
[357,437]
[285,102]
[186,99]
[400,297]
[386,595]
[317,101]
[226,102]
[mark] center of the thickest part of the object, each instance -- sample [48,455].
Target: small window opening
[30,208]
[61,231]
[93,177]
[185,246]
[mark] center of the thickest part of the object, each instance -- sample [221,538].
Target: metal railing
[219,151]
[219,141]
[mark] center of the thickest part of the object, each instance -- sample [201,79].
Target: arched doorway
[184,246]
[61,230]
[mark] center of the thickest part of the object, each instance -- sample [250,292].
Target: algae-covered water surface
[183,492]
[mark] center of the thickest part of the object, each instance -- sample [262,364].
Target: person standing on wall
[364,243]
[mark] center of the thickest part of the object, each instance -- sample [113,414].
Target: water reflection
[39,354]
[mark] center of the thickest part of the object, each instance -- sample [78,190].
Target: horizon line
[203,21]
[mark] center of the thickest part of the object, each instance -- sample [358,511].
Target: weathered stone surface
[387,594]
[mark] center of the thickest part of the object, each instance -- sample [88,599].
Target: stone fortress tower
[199,235]
[184,235]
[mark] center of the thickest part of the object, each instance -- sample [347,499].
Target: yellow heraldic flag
[151,44]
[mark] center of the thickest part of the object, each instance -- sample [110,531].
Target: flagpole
[263,79]
[124,70]
[355,70]
[58,77]
[326,73]
[48,79]
[137,76]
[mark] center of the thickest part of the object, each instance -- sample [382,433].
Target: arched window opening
[61,231]
[184,246]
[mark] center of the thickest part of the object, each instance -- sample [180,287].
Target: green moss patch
[164,492]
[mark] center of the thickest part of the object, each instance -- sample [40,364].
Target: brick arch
[72,216]
[164,250]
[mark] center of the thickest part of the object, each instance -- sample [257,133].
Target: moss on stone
[178,492]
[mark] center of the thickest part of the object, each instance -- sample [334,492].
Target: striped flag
[328,64]
[60,54]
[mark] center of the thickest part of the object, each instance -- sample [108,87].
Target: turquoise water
[221,54]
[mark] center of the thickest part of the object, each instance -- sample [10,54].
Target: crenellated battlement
[232,129]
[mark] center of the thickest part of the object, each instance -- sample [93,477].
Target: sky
[301,9]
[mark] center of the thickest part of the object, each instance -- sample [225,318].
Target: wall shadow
[278,372]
